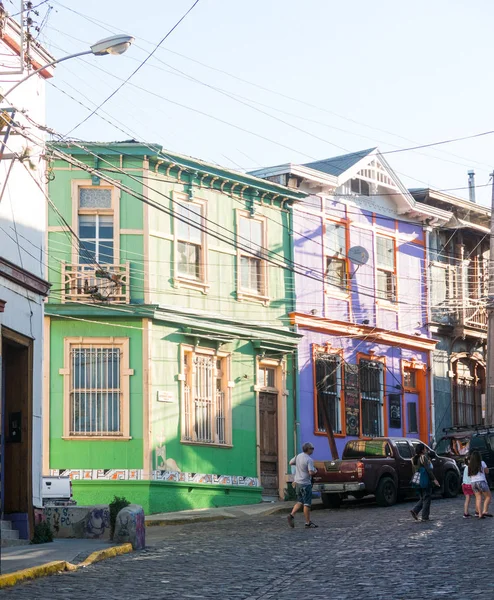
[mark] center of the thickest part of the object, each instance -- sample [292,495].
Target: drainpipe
[430,358]
[293,307]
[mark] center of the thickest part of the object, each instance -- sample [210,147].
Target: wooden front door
[17,411]
[268,419]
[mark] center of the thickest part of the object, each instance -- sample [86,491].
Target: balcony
[103,283]
[473,314]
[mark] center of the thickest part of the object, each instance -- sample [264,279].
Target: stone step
[10,543]
[5,525]
[9,534]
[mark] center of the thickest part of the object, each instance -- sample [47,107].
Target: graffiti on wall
[92,522]
[163,463]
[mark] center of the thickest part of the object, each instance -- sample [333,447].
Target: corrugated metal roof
[339,164]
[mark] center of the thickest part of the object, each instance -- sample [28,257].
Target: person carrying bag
[423,479]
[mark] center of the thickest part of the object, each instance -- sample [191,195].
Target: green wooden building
[169,355]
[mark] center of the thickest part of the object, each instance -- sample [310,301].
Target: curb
[286,508]
[60,566]
[199,519]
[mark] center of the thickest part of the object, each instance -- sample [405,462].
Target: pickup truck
[381,467]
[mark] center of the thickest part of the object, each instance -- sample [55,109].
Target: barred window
[328,390]
[206,400]
[95,395]
[96,387]
[372,395]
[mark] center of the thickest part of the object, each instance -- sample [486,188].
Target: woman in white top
[477,471]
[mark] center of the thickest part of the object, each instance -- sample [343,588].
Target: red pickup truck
[381,467]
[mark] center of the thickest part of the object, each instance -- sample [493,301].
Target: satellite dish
[358,255]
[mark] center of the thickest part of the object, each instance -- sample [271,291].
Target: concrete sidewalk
[183,517]
[25,557]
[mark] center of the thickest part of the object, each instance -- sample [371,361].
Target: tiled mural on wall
[172,476]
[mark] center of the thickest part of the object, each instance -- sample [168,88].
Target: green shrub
[116,506]
[42,533]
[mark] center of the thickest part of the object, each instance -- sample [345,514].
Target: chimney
[471,186]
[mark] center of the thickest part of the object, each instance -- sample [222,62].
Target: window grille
[328,388]
[206,403]
[371,393]
[95,393]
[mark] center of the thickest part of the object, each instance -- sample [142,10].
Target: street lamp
[115,44]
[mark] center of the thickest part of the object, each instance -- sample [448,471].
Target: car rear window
[477,443]
[367,448]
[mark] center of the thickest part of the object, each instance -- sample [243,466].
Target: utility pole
[489,400]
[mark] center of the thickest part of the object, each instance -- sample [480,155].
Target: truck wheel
[451,485]
[331,500]
[386,493]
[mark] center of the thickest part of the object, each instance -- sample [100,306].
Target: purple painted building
[360,246]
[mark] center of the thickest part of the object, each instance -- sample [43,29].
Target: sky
[264,82]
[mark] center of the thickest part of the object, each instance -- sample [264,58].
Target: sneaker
[291,521]
[311,525]
[487,515]
[414,515]
[466,515]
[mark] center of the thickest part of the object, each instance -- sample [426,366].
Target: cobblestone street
[359,551]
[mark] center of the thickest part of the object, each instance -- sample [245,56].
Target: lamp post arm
[50,64]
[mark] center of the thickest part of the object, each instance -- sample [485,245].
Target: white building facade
[23,208]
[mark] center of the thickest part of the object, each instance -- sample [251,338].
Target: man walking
[304,469]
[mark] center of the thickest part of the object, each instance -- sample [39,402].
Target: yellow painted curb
[59,566]
[106,553]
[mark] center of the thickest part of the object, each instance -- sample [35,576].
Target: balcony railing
[474,315]
[103,283]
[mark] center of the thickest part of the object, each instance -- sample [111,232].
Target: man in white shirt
[304,470]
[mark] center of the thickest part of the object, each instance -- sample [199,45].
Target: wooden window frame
[243,294]
[227,386]
[125,373]
[337,352]
[392,272]
[345,293]
[179,280]
[114,211]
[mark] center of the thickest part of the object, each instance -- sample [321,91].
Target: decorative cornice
[393,338]
[23,278]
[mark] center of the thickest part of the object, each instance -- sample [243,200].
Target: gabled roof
[329,174]
[339,164]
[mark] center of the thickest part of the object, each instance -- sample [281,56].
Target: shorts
[480,486]
[304,494]
[467,489]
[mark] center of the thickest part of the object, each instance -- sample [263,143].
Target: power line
[136,70]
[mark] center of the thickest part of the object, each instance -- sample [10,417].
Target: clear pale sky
[387,73]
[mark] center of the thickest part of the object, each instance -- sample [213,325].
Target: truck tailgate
[335,471]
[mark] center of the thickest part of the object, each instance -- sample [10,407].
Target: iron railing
[104,283]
